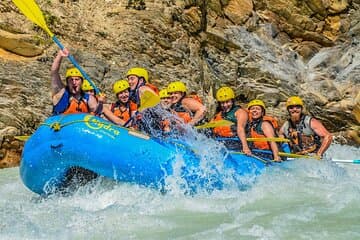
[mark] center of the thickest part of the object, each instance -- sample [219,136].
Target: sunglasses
[294,106]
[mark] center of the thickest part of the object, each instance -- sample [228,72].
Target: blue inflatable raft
[81,140]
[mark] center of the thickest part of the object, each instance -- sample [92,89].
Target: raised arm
[56,83]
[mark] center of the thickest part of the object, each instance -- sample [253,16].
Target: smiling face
[123,96]
[74,84]
[133,81]
[176,96]
[256,112]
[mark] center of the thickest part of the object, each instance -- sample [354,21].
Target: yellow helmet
[224,94]
[73,72]
[120,86]
[294,100]
[176,87]
[139,72]
[256,102]
[86,86]
[164,93]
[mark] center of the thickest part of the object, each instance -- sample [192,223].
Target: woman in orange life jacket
[306,134]
[123,108]
[227,110]
[188,109]
[69,98]
[258,127]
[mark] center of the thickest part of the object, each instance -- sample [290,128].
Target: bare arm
[281,131]
[92,103]
[269,132]
[242,118]
[196,107]
[326,137]
[56,83]
[111,117]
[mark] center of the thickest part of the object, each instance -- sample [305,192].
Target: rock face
[268,49]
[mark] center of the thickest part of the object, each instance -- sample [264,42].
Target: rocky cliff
[268,49]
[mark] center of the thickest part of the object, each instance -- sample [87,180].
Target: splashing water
[303,199]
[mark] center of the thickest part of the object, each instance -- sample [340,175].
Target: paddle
[272,139]
[284,154]
[214,124]
[356,161]
[147,100]
[32,11]
[269,139]
[22,138]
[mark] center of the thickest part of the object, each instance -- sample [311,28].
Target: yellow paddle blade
[213,124]
[273,139]
[32,11]
[22,138]
[147,100]
[293,155]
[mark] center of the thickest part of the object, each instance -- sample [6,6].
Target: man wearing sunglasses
[306,134]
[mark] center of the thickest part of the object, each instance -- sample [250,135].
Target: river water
[302,199]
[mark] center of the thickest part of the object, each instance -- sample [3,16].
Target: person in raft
[260,125]
[306,133]
[123,108]
[187,108]
[89,89]
[228,110]
[69,98]
[165,99]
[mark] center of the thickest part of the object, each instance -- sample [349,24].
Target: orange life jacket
[254,130]
[68,104]
[181,111]
[226,131]
[77,106]
[274,122]
[223,131]
[126,114]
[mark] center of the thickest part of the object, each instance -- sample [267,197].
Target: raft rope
[56,126]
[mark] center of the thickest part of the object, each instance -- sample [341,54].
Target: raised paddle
[214,124]
[147,100]
[32,11]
